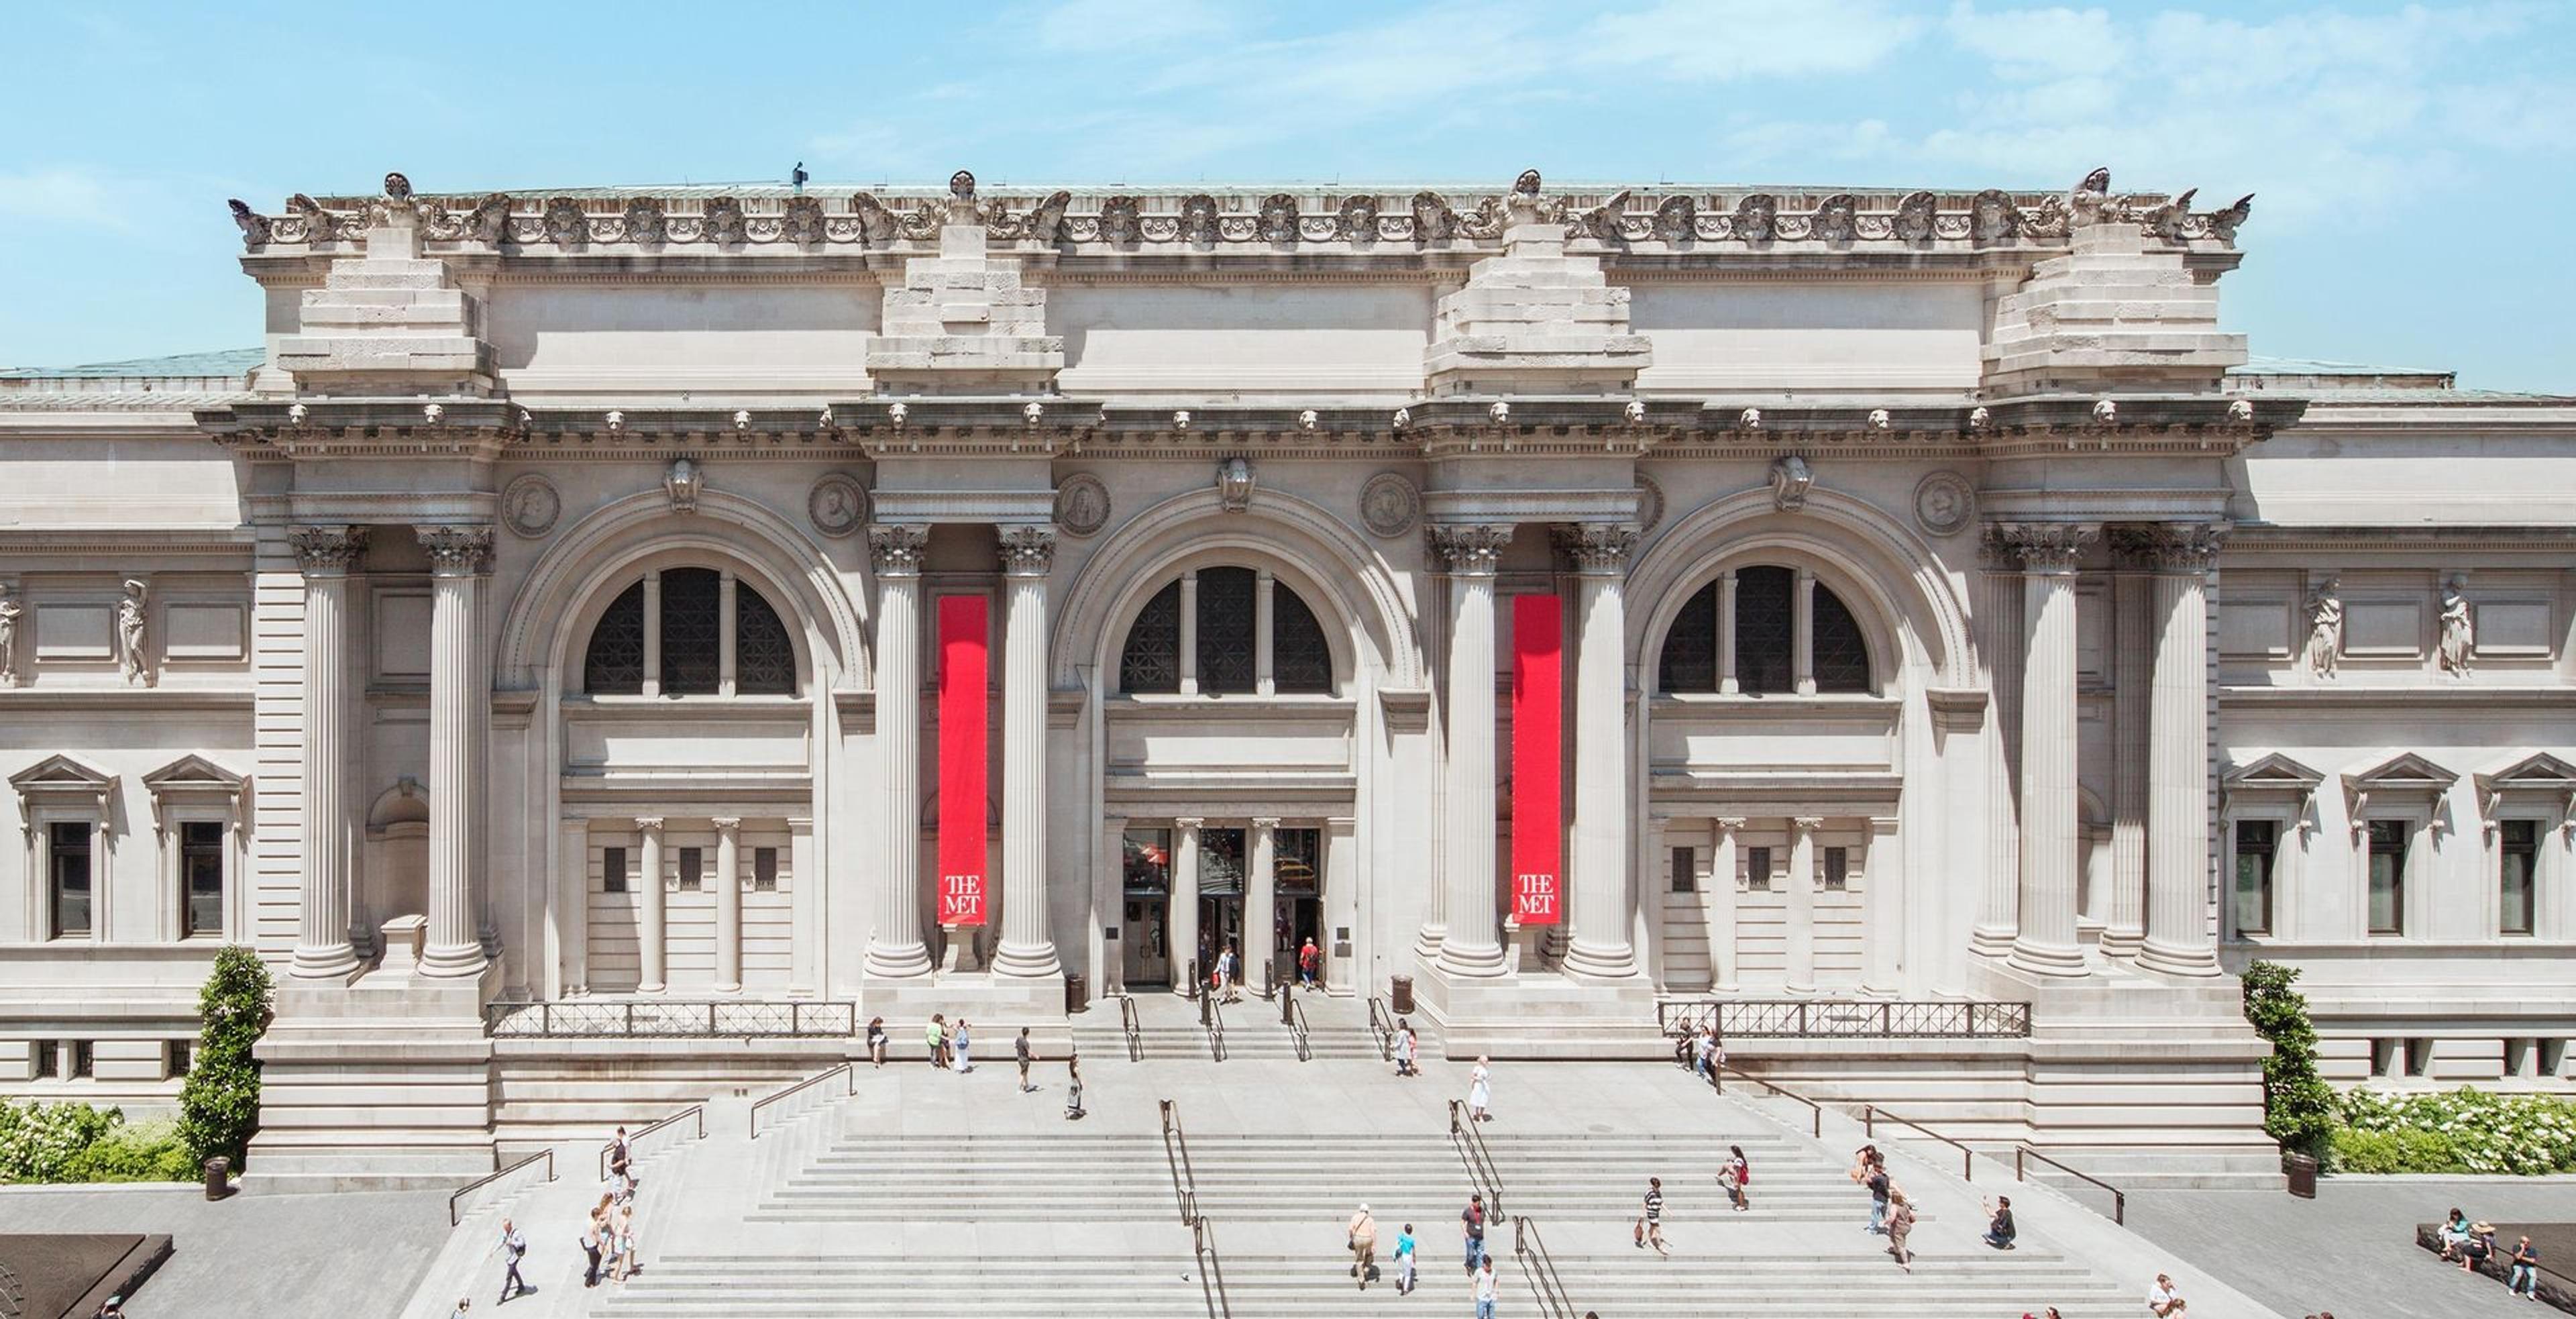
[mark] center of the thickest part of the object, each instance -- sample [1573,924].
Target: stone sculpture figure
[1790,477]
[9,612]
[2459,631]
[129,634]
[2325,630]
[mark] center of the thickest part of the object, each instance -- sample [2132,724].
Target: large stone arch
[1889,577]
[552,613]
[1335,572]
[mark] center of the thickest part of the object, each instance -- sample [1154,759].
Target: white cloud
[2037,42]
[1725,40]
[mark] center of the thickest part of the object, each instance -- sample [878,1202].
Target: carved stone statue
[1234,484]
[2459,631]
[9,612]
[683,484]
[2325,630]
[1790,477]
[130,657]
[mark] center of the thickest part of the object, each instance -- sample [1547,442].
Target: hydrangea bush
[77,1143]
[2460,1130]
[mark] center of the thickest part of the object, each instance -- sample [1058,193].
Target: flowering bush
[2460,1130]
[40,1142]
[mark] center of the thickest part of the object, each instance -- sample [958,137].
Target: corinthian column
[2048,552]
[2000,603]
[1027,948]
[728,886]
[1473,946]
[895,946]
[1601,944]
[2178,933]
[653,965]
[458,559]
[1800,951]
[322,946]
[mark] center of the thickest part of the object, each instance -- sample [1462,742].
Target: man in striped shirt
[1650,1229]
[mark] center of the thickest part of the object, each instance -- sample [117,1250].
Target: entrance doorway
[1144,941]
[1221,858]
[1298,883]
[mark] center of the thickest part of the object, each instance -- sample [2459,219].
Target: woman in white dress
[1480,1091]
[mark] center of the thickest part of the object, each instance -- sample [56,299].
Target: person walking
[959,1045]
[876,1041]
[1737,1178]
[463,1307]
[1650,1227]
[1473,1220]
[1485,1289]
[934,1036]
[1879,1187]
[1999,1223]
[1404,1047]
[2521,1280]
[1073,1087]
[1703,1049]
[624,1226]
[606,1216]
[1360,1235]
[1480,1090]
[1025,1053]
[1404,1261]
[512,1248]
[1900,1224]
[590,1242]
[1310,960]
[621,1156]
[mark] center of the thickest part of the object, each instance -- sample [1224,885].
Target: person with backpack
[1310,963]
[512,1248]
[1736,1176]
[1362,1241]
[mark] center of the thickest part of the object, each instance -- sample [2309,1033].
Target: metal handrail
[1540,1268]
[1480,1161]
[840,1069]
[1871,1115]
[2119,1198]
[1295,1015]
[1211,1269]
[1176,1156]
[697,1111]
[1815,1111]
[673,1019]
[1383,1026]
[454,1218]
[1130,1023]
[1215,1026]
[1936,1019]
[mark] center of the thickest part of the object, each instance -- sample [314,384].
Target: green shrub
[2525,1135]
[141,1152]
[2298,1106]
[39,1142]
[219,1108]
[2360,1151]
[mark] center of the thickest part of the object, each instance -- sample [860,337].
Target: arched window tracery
[684,611]
[1757,608]
[1224,607]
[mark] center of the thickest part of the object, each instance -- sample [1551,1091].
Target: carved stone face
[961,185]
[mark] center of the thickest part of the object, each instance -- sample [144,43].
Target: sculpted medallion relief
[838,504]
[1650,504]
[1389,505]
[530,506]
[1081,504]
[1944,503]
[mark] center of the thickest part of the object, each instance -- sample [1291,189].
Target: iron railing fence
[656,1019]
[1739,1019]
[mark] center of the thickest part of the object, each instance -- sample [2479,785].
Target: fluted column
[458,559]
[322,944]
[653,962]
[2000,604]
[2178,931]
[1260,900]
[1801,928]
[1027,947]
[2046,940]
[1602,944]
[728,886]
[1721,905]
[1882,904]
[1181,918]
[2124,915]
[1473,946]
[895,945]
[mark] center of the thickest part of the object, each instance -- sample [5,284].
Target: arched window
[683,609]
[1765,658]
[1225,657]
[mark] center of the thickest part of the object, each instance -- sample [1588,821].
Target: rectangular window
[2255,842]
[1146,860]
[2419,1057]
[1837,869]
[1757,868]
[2518,846]
[612,870]
[179,1057]
[2517,1057]
[691,872]
[49,1060]
[1685,870]
[2553,1057]
[201,879]
[764,869]
[84,1059]
[2388,877]
[68,856]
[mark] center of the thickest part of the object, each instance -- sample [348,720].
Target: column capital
[2040,548]
[1265,823]
[1470,549]
[1807,824]
[651,824]
[1596,549]
[1188,823]
[726,824]
[894,549]
[328,551]
[2182,548]
[1729,824]
[1027,551]
[456,551]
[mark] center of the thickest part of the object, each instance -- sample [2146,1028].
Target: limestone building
[601,636]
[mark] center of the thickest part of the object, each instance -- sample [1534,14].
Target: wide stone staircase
[1249,1030]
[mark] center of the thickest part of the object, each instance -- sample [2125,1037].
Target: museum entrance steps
[1249,1029]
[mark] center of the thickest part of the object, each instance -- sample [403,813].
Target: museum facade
[1570,602]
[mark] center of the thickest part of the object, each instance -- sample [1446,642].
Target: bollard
[1287,1010]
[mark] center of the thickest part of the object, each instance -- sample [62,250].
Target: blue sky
[2411,163]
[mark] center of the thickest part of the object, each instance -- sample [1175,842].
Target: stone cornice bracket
[1471,549]
[457,551]
[1027,551]
[1596,549]
[2046,547]
[2188,548]
[327,551]
[894,550]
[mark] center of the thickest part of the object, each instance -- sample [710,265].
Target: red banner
[1538,655]
[962,690]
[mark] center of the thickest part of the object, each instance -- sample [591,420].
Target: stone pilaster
[1882,906]
[2045,942]
[1260,898]
[653,966]
[2124,916]
[1473,946]
[895,944]
[323,949]
[1800,973]
[728,887]
[2000,602]
[459,558]
[1721,905]
[1602,944]
[1181,919]
[2178,933]
[1028,946]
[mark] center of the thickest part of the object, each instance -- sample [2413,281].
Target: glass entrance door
[1143,941]
[1221,859]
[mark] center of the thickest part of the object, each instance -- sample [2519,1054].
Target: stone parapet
[388,318]
[2113,311]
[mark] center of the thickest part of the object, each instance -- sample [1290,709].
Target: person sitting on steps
[1999,1226]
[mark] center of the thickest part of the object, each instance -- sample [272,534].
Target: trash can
[219,1172]
[2302,1169]
[1399,995]
[1077,994]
